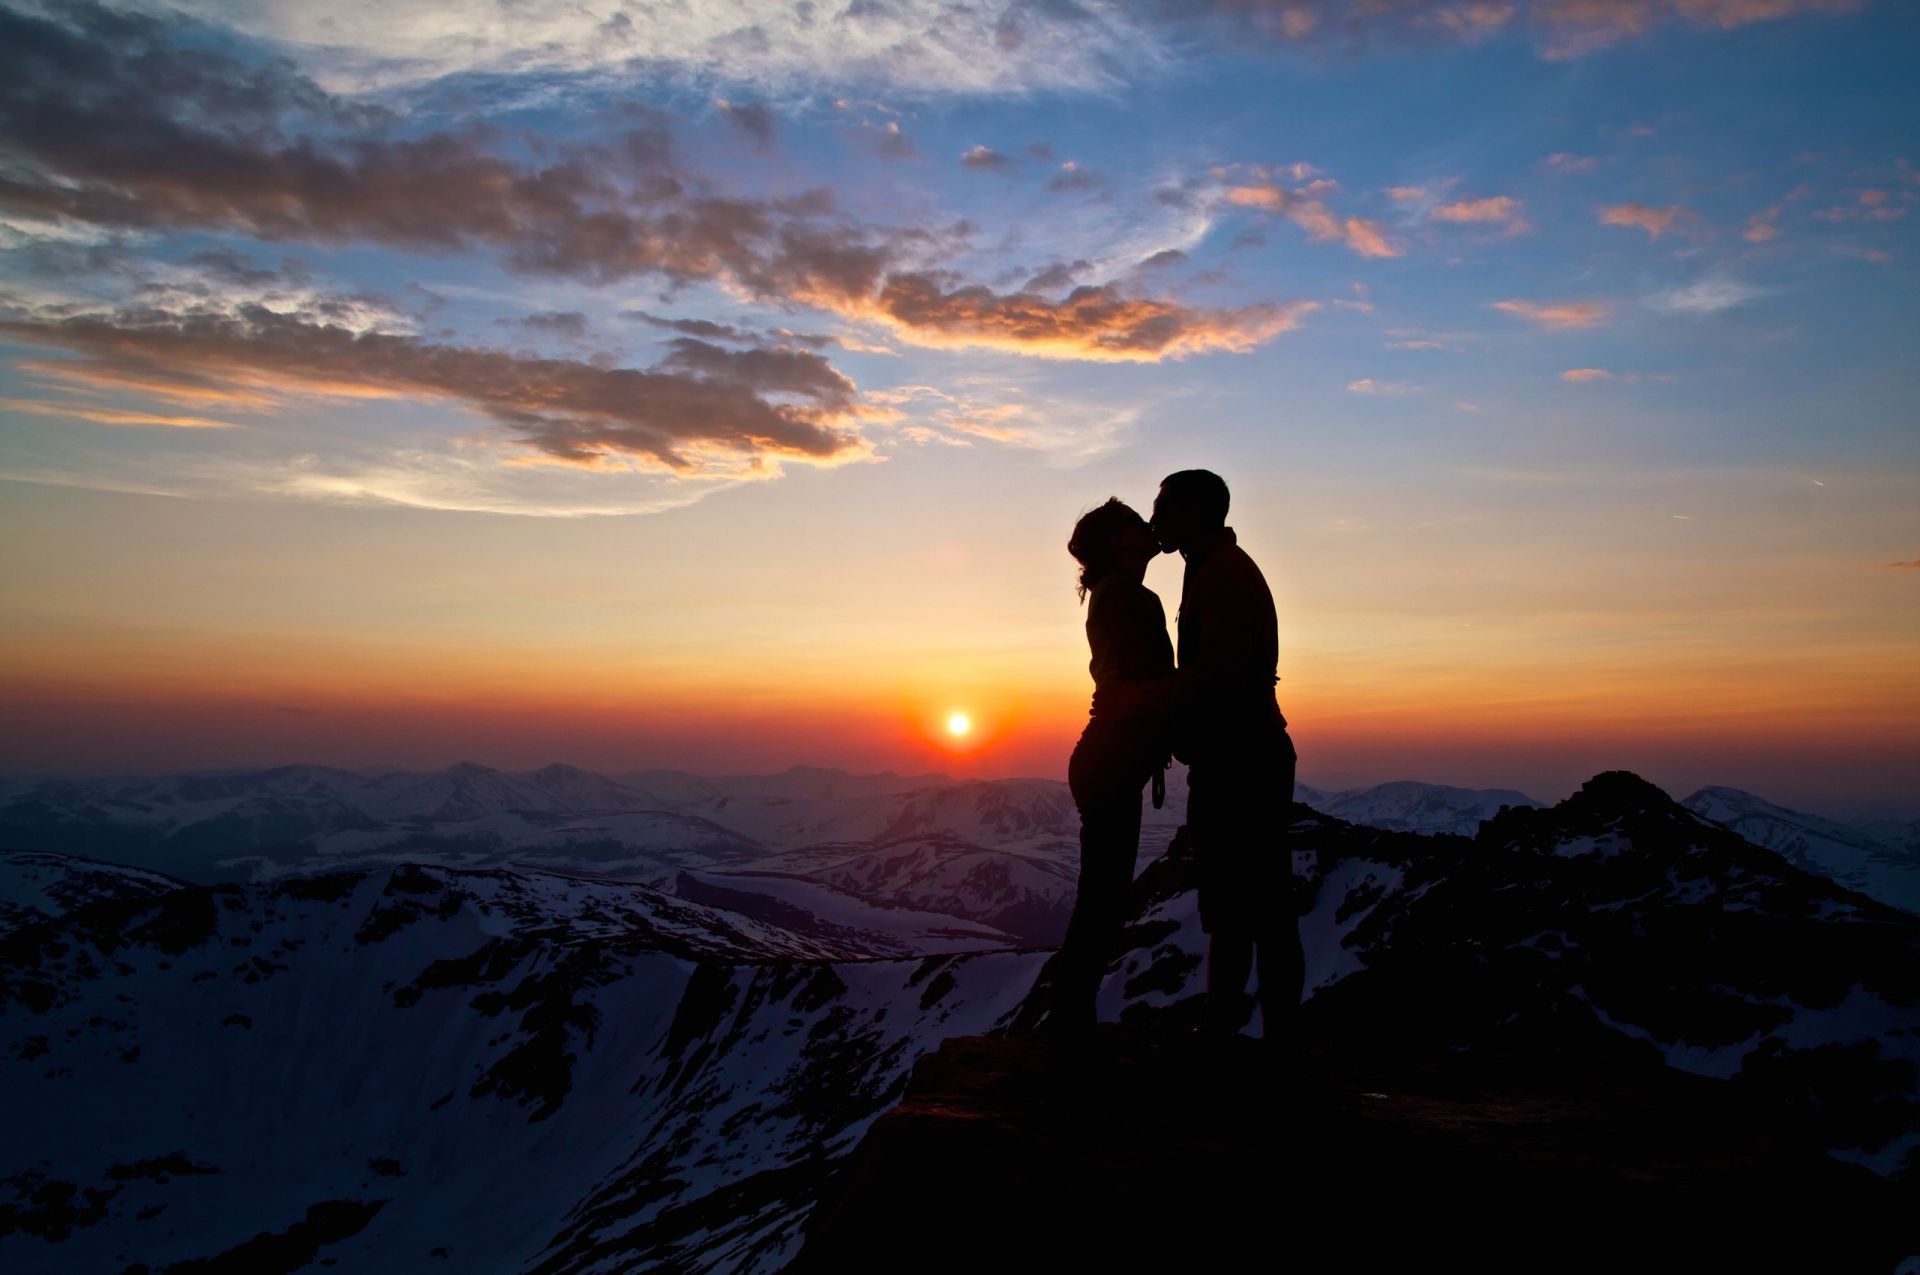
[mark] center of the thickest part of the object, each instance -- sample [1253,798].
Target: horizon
[708,388]
[374,771]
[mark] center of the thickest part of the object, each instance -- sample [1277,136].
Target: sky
[716,386]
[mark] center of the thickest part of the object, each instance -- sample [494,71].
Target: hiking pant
[1239,804]
[1106,779]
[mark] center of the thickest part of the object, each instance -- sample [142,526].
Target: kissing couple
[1213,708]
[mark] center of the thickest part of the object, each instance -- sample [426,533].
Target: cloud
[1566,164]
[1655,221]
[1394,389]
[1912,564]
[1708,296]
[1072,177]
[1576,28]
[706,329]
[1558,314]
[1501,209]
[107,415]
[923,47]
[1589,375]
[1763,225]
[1362,236]
[754,119]
[119,120]
[571,324]
[986,159]
[702,410]
[1098,323]
[769,48]
[1065,432]
[1061,274]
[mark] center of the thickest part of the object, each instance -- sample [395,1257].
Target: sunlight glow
[958,724]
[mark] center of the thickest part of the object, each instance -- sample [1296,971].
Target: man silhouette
[1240,760]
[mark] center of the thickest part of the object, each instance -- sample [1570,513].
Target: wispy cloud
[1567,164]
[108,415]
[1067,432]
[1763,225]
[1502,210]
[1558,314]
[1590,375]
[702,410]
[1708,296]
[1389,389]
[1306,207]
[1656,221]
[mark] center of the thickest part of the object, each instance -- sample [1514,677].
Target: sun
[958,725]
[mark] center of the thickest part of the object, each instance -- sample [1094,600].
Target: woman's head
[1108,538]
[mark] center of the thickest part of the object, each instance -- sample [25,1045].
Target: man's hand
[1119,699]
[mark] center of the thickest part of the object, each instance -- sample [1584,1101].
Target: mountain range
[511,1067]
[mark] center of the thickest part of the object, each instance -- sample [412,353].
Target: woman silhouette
[1116,755]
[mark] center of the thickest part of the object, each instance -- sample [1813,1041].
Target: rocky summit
[1139,1148]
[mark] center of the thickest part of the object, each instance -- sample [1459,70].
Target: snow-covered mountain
[506,1070]
[523,1071]
[1889,872]
[37,886]
[1407,806]
[1026,894]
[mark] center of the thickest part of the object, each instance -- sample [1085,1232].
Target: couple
[1216,711]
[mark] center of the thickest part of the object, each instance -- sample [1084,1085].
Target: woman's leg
[1109,843]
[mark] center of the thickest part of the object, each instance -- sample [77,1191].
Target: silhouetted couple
[1213,709]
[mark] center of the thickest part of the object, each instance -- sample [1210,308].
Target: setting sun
[958,724]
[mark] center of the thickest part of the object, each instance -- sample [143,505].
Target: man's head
[1190,509]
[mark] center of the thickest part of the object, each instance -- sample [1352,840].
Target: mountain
[506,1070]
[260,824]
[1028,894]
[36,886]
[1406,806]
[1889,872]
[536,1072]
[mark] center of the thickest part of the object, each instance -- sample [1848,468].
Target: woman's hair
[1092,541]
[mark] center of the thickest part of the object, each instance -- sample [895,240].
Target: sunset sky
[715,385]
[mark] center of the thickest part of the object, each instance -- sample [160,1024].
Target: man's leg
[1229,961]
[1283,964]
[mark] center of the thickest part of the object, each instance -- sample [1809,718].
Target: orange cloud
[1558,314]
[1574,28]
[1763,225]
[1655,221]
[1497,208]
[1101,324]
[1361,235]
[1581,375]
[108,415]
